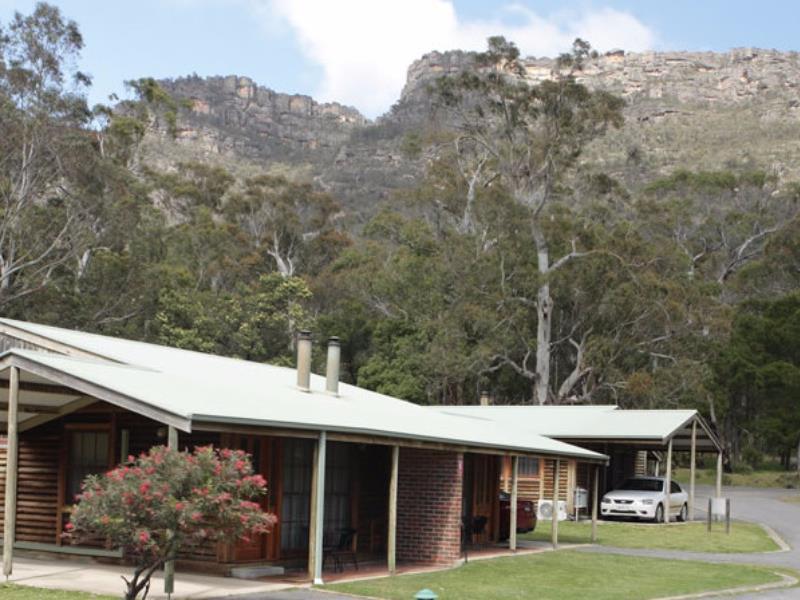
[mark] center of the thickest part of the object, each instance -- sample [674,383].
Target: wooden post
[595,499]
[719,475]
[554,521]
[728,516]
[10,508]
[668,482]
[317,519]
[391,542]
[708,515]
[124,445]
[512,517]
[169,566]
[692,469]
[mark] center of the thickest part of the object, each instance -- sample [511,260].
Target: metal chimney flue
[304,361]
[333,365]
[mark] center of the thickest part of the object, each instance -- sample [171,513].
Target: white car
[645,498]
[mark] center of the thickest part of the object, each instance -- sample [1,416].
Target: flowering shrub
[166,500]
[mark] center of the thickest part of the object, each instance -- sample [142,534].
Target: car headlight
[606,500]
[647,501]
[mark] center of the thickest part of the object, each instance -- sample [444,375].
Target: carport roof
[600,423]
[185,388]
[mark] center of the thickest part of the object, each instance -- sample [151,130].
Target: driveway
[747,504]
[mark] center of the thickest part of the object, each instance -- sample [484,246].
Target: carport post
[595,494]
[554,532]
[668,482]
[10,508]
[692,469]
[391,542]
[512,517]
[169,566]
[316,520]
[719,474]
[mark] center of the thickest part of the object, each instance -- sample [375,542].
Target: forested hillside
[509,226]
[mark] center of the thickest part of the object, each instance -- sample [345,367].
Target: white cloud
[364,47]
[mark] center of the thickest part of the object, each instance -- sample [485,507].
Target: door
[260,449]
[295,496]
[481,506]
[676,498]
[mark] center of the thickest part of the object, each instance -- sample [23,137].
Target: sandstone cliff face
[701,110]
[242,117]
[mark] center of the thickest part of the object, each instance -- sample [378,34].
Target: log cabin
[336,457]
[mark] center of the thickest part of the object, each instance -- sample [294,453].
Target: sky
[357,51]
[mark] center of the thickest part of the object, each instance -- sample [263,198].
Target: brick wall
[429,506]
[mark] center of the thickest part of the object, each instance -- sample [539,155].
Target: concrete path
[104,579]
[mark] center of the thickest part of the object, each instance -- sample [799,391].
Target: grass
[792,499]
[744,537]
[566,575]
[763,478]
[20,592]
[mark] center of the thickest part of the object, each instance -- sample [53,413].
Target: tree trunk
[798,458]
[544,312]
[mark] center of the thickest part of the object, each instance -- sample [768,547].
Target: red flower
[144,537]
[69,526]
[179,506]
[240,465]
[144,487]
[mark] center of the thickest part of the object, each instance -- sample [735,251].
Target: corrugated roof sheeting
[595,422]
[207,388]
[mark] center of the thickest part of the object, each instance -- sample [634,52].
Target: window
[338,471]
[674,488]
[88,455]
[297,455]
[528,467]
[643,485]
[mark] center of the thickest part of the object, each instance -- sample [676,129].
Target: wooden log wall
[37,486]
[42,457]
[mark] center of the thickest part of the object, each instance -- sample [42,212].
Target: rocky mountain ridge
[697,110]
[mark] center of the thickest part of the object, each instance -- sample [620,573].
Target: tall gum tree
[528,137]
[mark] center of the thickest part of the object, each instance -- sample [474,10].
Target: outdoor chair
[342,549]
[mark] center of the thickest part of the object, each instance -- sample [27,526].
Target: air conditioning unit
[545,510]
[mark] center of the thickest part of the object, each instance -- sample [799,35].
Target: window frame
[539,463]
[69,429]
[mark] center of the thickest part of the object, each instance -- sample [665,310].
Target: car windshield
[643,485]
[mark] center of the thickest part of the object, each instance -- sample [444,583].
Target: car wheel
[682,515]
[659,518]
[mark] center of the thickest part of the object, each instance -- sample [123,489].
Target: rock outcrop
[697,110]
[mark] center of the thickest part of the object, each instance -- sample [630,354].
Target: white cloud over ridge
[364,47]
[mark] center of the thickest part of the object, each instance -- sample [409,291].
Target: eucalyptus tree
[46,153]
[283,219]
[527,138]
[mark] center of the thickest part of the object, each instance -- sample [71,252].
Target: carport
[627,437]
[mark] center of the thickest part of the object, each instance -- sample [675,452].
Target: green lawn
[19,592]
[792,499]
[565,575]
[744,537]
[766,478]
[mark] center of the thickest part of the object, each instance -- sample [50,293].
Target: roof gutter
[586,456]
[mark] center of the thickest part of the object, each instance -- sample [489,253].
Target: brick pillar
[429,506]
